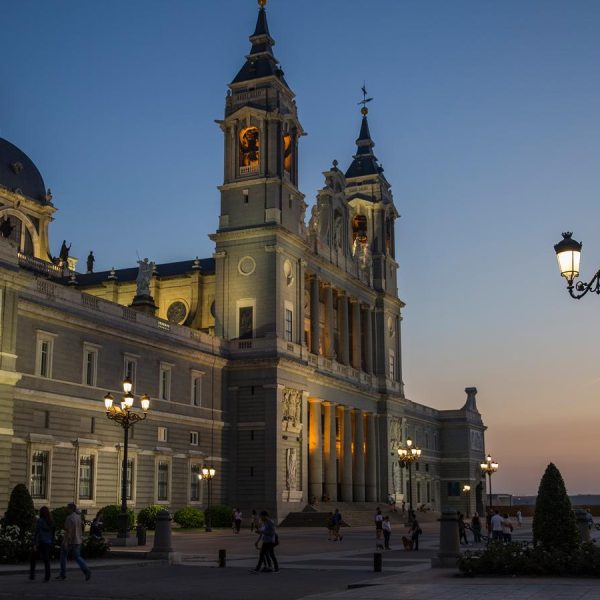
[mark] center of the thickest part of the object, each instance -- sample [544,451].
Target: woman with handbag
[43,540]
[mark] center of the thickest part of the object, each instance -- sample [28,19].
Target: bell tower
[261,132]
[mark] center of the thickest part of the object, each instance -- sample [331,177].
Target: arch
[249,143]
[24,234]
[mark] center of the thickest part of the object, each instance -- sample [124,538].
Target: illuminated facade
[278,360]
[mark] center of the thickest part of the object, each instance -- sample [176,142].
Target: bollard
[140,531]
[449,543]
[582,525]
[222,558]
[377,562]
[162,535]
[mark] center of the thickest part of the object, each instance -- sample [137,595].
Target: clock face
[177,312]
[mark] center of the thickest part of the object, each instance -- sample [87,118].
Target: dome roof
[19,174]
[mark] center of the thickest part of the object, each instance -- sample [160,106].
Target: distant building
[277,360]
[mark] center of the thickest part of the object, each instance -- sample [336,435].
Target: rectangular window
[162,434]
[130,478]
[195,483]
[39,474]
[453,489]
[86,477]
[193,438]
[428,491]
[246,322]
[90,364]
[392,366]
[196,389]
[162,492]
[44,352]
[164,391]
[289,329]
[130,370]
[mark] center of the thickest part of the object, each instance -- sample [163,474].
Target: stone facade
[277,361]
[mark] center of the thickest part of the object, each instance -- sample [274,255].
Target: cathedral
[276,362]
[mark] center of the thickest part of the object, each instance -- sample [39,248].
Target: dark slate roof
[260,62]
[207,267]
[19,174]
[365,162]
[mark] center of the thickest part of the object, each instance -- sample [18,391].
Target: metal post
[222,558]
[410,494]
[491,504]
[208,515]
[377,562]
[124,517]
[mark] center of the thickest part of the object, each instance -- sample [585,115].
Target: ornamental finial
[364,110]
[262,3]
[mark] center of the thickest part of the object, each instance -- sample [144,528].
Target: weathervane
[364,110]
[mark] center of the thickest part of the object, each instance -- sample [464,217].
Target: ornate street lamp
[467,491]
[208,473]
[568,254]
[407,456]
[489,467]
[126,417]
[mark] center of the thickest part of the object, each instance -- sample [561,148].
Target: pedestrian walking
[43,540]
[97,526]
[496,525]
[507,529]
[330,527]
[403,506]
[415,531]
[378,524]
[72,543]
[519,518]
[476,528]
[255,522]
[237,520]
[462,530]
[270,539]
[268,566]
[386,527]
[337,524]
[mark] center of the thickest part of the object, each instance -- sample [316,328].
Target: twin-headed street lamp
[407,456]
[467,491]
[568,253]
[207,474]
[126,417]
[489,467]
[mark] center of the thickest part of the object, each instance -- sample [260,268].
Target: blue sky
[485,119]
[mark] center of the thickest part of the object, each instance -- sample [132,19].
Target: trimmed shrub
[189,518]
[20,511]
[94,547]
[14,546]
[220,515]
[58,517]
[554,525]
[110,517]
[147,516]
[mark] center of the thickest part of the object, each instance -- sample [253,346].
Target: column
[344,329]
[299,325]
[356,362]
[346,416]
[371,468]
[329,451]
[329,326]
[358,465]
[314,314]
[368,324]
[315,450]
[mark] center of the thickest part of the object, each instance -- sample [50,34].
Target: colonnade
[344,458]
[354,326]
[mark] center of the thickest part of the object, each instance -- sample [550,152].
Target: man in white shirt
[497,521]
[72,543]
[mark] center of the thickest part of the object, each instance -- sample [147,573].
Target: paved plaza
[311,568]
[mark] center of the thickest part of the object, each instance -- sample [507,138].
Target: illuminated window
[287,153]
[45,349]
[249,150]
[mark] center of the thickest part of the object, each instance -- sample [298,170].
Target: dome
[19,174]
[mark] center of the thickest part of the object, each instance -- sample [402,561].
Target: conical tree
[554,523]
[20,509]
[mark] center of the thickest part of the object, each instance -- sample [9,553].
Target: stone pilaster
[329,451]
[345,416]
[356,345]
[344,328]
[358,465]
[368,325]
[371,468]
[314,314]
[329,326]
[315,450]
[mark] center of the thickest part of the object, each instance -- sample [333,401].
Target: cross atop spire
[364,110]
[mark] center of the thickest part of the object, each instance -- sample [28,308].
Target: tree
[20,509]
[554,523]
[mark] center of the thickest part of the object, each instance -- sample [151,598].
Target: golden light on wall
[287,152]
[249,147]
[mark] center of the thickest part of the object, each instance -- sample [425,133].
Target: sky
[485,117]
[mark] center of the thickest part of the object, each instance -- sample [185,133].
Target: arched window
[249,150]
[359,228]
[287,153]
[389,236]
[19,234]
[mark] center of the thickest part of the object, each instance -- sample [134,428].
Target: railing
[89,301]
[244,96]
[39,265]
[47,288]
[251,169]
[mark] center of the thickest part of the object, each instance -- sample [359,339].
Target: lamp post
[207,474]
[568,254]
[467,490]
[489,467]
[407,456]
[126,417]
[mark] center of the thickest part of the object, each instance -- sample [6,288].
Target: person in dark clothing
[476,528]
[97,526]
[269,541]
[462,530]
[415,532]
[43,540]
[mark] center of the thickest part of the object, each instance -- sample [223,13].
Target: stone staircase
[354,514]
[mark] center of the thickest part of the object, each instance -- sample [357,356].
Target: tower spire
[260,62]
[365,162]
